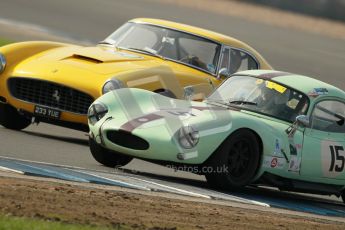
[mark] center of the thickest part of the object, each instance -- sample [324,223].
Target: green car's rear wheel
[235,162]
[10,118]
[107,157]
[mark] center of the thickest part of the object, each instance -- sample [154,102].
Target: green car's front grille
[127,140]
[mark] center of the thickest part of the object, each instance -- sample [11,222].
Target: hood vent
[85,58]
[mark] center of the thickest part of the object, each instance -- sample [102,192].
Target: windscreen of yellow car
[182,47]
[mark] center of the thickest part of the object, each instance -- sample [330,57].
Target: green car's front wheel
[107,157]
[235,162]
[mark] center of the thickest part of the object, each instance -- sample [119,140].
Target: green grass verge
[18,223]
[4,41]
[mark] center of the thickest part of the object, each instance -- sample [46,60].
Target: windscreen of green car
[178,46]
[261,96]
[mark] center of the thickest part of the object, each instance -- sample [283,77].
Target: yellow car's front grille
[49,94]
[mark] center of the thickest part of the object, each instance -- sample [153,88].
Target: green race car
[259,127]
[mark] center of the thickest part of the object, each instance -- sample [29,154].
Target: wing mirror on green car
[303,120]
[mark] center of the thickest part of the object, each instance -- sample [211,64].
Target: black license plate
[47,112]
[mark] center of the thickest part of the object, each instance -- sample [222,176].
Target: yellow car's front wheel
[10,118]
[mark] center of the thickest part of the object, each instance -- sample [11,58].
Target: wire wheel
[239,158]
[235,162]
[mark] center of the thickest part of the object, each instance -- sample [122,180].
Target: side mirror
[303,120]
[223,73]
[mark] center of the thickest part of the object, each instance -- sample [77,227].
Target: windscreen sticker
[317,92]
[211,67]
[275,86]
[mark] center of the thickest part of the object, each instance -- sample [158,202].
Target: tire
[106,157]
[235,163]
[11,119]
[343,196]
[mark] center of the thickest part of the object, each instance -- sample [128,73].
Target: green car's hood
[139,109]
[148,109]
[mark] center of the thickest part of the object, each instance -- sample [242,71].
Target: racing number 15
[337,158]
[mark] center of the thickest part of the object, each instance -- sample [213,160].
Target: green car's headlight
[111,85]
[188,137]
[96,112]
[2,63]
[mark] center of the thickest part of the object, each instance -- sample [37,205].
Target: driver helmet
[281,98]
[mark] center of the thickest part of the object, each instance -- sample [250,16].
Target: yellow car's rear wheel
[10,118]
[107,157]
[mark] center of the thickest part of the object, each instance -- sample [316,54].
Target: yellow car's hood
[99,60]
[88,68]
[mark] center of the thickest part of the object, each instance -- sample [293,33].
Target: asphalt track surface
[289,50]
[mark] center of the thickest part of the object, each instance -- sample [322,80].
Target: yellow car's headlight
[112,84]
[2,63]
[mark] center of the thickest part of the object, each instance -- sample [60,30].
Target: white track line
[118,181]
[112,172]
[45,163]
[239,199]
[79,169]
[177,190]
[10,170]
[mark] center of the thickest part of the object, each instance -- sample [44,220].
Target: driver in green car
[276,100]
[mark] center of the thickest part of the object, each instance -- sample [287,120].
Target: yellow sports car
[56,82]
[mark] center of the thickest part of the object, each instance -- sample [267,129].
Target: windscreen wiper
[105,43]
[217,103]
[239,102]
[152,53]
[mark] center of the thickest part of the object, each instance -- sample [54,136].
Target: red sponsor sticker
[274,162]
